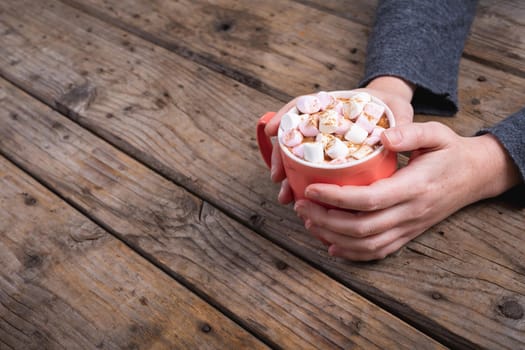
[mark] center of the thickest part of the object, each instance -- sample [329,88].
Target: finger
[358,225]
[277,173]
[384,193]
[273,125]
[335,250]
[285,194]
[416,136]
[370,244]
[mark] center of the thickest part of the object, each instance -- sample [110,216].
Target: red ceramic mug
[380,164]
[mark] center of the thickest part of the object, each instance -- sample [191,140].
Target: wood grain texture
[159,107]
[277,296]
[497,36]
[65,283]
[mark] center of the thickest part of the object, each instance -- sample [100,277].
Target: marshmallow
[324,138]
[361,97]
[343,126]
[313,152]
[375,136]
[325,99]
[328,121]
[292,138]
[298,150]
[308,126]
[339,108]
[356,134]
[290,121]
[336,149]
[374,111]
[308,104]
[352,109]
[362,152]
[366,123]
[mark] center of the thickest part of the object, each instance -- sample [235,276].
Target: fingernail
[331,250]
[393,136]
[308,224]
[311,193]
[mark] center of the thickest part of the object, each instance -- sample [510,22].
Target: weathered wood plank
[287,49]
[277,296]
[65,283]
[159,120]
[497,36]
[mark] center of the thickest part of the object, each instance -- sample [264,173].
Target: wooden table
[136,211]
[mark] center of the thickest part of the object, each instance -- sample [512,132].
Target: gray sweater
[421,41]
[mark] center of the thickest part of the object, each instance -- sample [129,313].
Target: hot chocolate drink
[326,129]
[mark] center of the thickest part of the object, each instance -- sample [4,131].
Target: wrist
[500,171]
[393,85]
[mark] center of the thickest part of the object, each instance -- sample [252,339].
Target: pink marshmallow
[308,104]
[309,126]
[374,111]
[364,122]
[375,136]
[292,138]
[343,126]
[298,150]
[325,99]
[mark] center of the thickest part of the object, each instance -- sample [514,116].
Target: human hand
[395,92]
[445,173]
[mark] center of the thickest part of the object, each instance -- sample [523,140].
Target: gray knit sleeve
[421,42]
[511,133]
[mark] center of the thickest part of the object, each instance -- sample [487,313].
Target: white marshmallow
[336,149]
[325,99]
[324,138]
[328,121]
[374,111]
[352,109]
[308,104]
[361,97]
[362,152]
[292,138]
[313,152]
[356,134]
[308,126]
[290,121]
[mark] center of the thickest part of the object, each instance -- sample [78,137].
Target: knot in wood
[206,328]
[511,309]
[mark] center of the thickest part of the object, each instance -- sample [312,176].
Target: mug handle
[263,141]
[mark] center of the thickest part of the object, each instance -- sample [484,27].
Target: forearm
[510,134]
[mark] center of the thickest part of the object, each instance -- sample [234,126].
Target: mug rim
[379,150]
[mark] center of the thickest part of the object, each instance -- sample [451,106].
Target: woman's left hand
[445,173]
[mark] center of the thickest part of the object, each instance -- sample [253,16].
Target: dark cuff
[511,134]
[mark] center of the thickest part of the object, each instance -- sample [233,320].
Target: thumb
[413,136]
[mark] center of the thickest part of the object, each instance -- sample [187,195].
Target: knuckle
[372,202]
[371,247]
[362,229]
